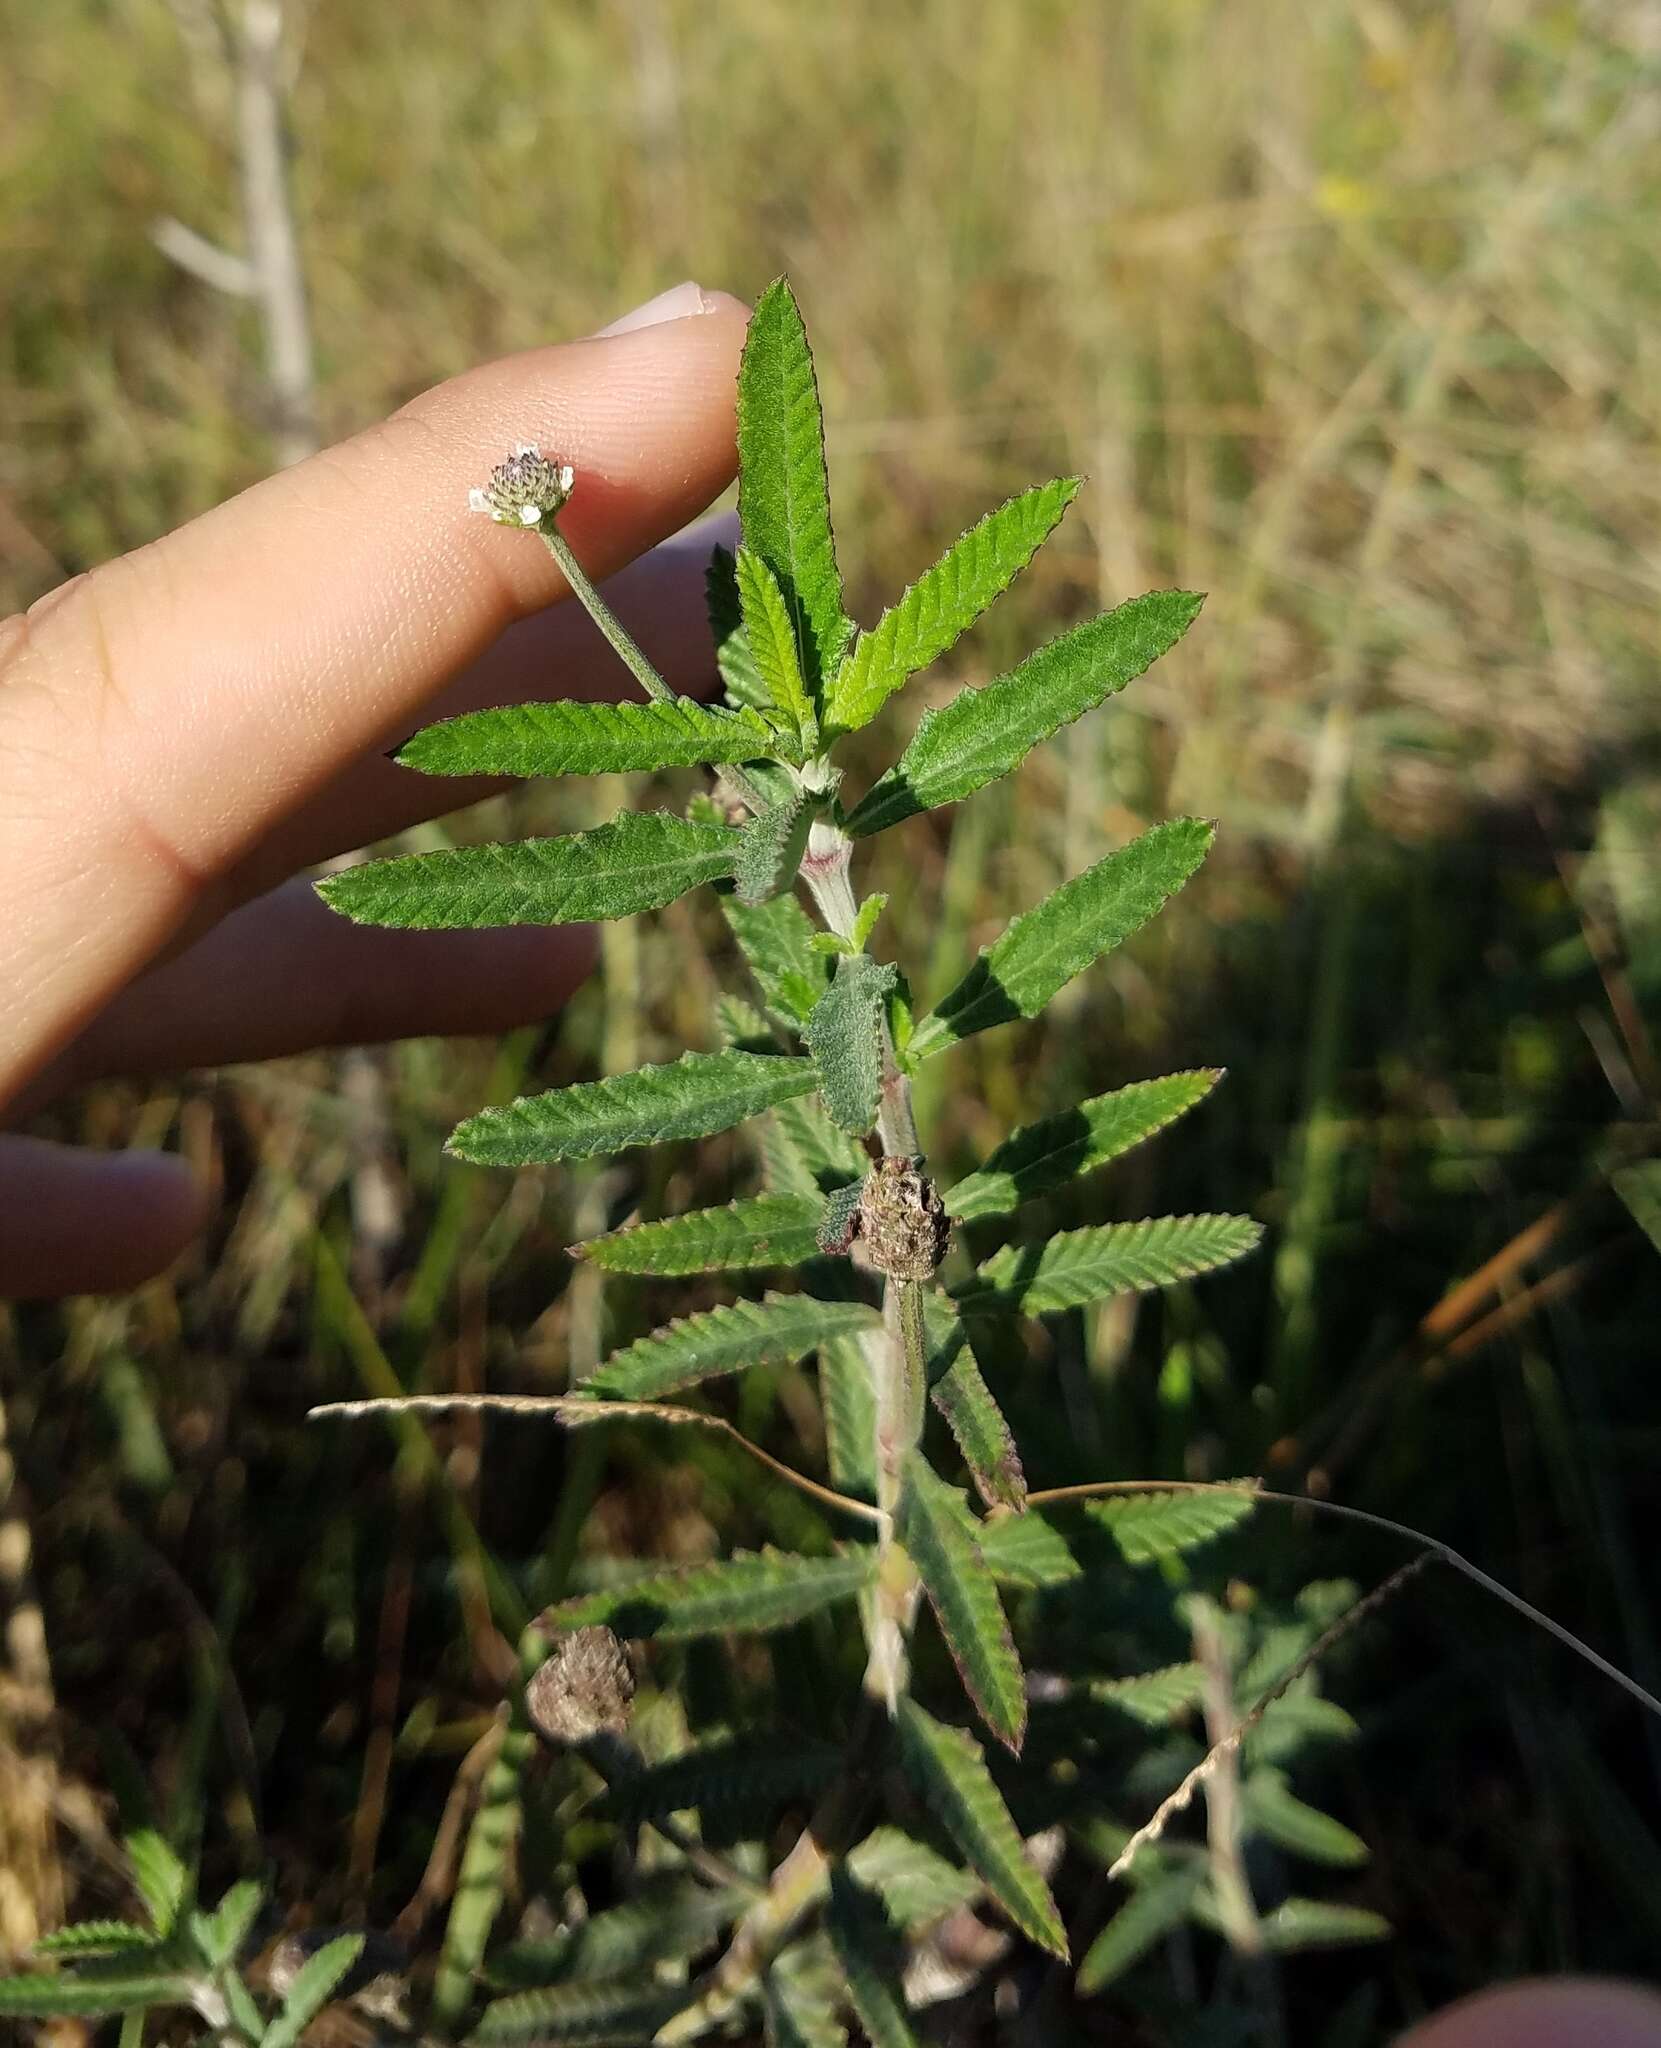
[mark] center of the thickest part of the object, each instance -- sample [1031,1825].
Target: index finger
[159,715]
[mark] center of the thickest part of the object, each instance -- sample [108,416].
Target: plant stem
[603,615]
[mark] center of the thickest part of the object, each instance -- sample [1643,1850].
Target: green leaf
[751,1590]
[946,1767]
[1273,1809]
[1080,1266]
[1146,1526]
[803,1151]
[639,861]
[943,603]
[916,1884]
[572,738]
[872,1959]
[865,918]
[783,496]
[746,1776]
[962,1396]
[94,1938]
[315,1983]
[1046,1155]
[1153,1697]
[767,1230]
[844,1034]
[691,1097]
[772,640]
[798,2012]
[622,2011]
[1041,951]
[62,1997]
[1026,1550]
[1299,1924]
[848,1400]
[162,1881]
[1639,1187]
[777,1330]
[839,1224]
[776,939]
[939,1533]
[1150,1913]
[733,658]
[770,849]
[668,1918]
[984,733]
[227,1927]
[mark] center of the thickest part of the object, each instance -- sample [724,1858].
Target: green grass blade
[948,1771]
[571,738]
[766,1230]
[777,1330]
[700,1093]
[1081,1266]
[1046,1155]
[783,494]
[943,603]
[749,1591]
[1041,951]
[934,1524]
[639,861]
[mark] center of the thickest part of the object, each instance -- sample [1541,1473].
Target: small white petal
[567,477]
[530,515]
[528,448]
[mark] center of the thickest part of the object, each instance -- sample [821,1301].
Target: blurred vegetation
[1348,310]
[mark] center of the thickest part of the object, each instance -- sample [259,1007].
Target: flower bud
[584,1689]
[525,489]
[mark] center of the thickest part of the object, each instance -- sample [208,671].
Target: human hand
[183,730]
[1567,2012]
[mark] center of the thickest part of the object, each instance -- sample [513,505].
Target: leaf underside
[766,1230]
[844,1034]
[700,1093]
[1077,1267]
[571,738]
[1041,951]
[754,1591]
[770,849]
[777,1330]
[640,861]
[983,734]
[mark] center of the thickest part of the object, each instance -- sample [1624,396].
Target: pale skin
[185,732]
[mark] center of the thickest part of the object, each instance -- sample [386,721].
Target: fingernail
[674,304]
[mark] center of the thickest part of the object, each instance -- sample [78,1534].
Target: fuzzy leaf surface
[627,2009]
[691,1097]
[755,1775]
[984,733]
[767,1230]
[162,1881]
[948,1771]
[917,1884]
[55,1996]
[1152,1911]
[94,1938]
[754,1590]
[640,861]
[772,638]
[1028,1551]
[571,738]
[770,849]
[1040,952]
[733,659]
[783,495]
[944,602]
[1147,1526]
[1153,1697]
[939,1534]
[798,2012]
[666,1919]
[844,1034]
[848,1399]
[776,939]
[802,1150]
[777,1330]
[959,1391]
[1046,1155]
[872,1959]
[1104,1259]
[314,1985]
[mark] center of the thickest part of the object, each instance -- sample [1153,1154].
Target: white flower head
[525,489]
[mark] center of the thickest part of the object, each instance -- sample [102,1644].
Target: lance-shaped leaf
[314,1985]
[776,940]
[962,1396]
[752,1591]
[1080,1266]
[733,658]
[691,1097]
[755,1776]
[947,1769]
[847,1395]
[872,1958]
[799,2011]
[571,738]
[622,2009]
[162,1880]
[1149,1526]
[95,1938]
[844,1034]
[1026,1550]
[770,849]
[1154,1910]
[767,1230]
[1046,1155]
[943,603]
[111,1990]
[777,1330]
[1153,1697]
[801,1149]
[1296,1925]
[668,1918]
[984,733]
[783,496]
[917,1884]
[772,639]
[1040,952]
[639,861]
[1273,1809]
[939,1535]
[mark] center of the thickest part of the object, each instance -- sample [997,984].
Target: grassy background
[1349,313]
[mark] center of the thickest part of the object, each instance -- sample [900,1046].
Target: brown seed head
[584,1689]
[902,1221]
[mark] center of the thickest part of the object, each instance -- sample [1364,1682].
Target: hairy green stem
[603,615]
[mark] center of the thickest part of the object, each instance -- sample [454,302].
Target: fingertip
[76,1222]
[1547,2013]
